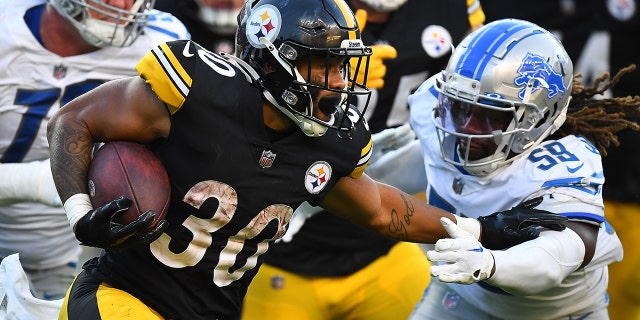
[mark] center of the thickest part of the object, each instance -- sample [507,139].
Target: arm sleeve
[538,265]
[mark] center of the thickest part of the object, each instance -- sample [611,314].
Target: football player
[245,140]
[53,52]
[317,271]
[600,35]
[486,125]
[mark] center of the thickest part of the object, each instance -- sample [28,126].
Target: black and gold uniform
[234,187]
[295,280]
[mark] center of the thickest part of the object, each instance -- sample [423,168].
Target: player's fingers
[453,229]
[361,18]
[143,222]
[443,269]
[384,51]
[106,212]
[375,84]
[445,256]
[156,232]
[455,278]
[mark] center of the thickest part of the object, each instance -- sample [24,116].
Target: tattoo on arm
[400,219]
[74,157]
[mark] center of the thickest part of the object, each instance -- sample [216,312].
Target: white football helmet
[506,88]
[115,27]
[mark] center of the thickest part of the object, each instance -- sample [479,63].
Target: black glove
[98,229]
[521,223]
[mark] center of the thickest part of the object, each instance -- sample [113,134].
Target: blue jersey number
[551,154]
[38,104]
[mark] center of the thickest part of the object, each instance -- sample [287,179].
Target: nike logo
[478,249]
[574,170]
[186,52]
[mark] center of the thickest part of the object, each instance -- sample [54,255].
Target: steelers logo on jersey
[317,176]
[622,10]
[265,21]
[436,41]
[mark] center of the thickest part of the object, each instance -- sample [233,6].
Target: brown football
[127,168]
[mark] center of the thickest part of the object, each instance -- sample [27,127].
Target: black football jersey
[422,31]
[232,190]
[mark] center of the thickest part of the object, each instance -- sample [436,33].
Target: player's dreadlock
[599,120]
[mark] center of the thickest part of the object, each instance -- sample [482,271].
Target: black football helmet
[274,36]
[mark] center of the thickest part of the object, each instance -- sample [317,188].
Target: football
[126,168]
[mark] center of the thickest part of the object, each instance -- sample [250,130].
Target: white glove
[29,181]
[466,260]
[389,140]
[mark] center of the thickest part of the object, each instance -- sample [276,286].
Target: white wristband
[76,207]
[469,225]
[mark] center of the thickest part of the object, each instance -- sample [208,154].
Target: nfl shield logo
[59,71]
[267,158]
[451,300]
[277,282]
[457,185]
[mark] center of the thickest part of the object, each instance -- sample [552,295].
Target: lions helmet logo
[536,67]
[265,21]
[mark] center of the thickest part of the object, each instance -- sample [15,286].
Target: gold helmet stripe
[349,18]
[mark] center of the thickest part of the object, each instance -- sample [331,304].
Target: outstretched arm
[386,210]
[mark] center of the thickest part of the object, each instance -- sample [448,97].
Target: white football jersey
[570,166]
[34,84]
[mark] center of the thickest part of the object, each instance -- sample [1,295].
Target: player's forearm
[407,218]
[70,146]
[539,264]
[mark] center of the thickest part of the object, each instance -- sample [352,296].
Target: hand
[377,69]
[522,223]
[467,261]
[98,229]
[389,140]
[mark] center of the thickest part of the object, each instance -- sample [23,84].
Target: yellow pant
[101,301]
[624,277]
[388,288]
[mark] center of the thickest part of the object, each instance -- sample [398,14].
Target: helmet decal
[489,41]
[317,176]
[265,21]
[536,67]
[348,18]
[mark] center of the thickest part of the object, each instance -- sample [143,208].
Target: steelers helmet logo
[264,21]
[317,177]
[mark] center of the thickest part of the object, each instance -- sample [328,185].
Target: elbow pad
[538,265]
